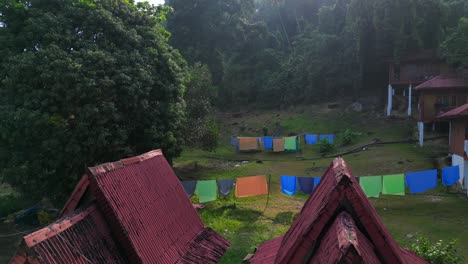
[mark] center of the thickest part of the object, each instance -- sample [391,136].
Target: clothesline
[373,186]
[394,184]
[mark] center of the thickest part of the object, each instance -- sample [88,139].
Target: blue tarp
[311,139]
[225,186]
[450,175]
[330,138]
[305,184]
[189,187]
[288,184]
[316,182]
[421,181]
[267,142]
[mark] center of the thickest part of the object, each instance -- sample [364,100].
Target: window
[445,100]
[453,102]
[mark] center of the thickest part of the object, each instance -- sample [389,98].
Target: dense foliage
[84,82]
[278,53]
[436,253]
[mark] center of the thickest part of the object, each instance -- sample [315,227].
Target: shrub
[349,137]
[438,253]
[325,147]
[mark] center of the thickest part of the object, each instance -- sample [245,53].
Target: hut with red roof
[131,211]
[337,224]
[458,139]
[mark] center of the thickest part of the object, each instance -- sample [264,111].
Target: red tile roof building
[337,224]
[441,94]
[136,205]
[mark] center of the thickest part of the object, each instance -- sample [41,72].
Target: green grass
[436,214]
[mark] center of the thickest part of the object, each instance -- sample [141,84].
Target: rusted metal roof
[459,112]
[131,211]
[152,217]
[337,192]
[447,81]
[83,237]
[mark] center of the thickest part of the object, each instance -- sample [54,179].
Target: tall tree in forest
[84,82]
[455,48]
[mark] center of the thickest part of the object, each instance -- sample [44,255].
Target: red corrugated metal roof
[338,191]
[461,111]
[138,200]
[83,237]
[149,212]
[344,241]
[444,82]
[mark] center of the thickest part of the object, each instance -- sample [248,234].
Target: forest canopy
[276,53]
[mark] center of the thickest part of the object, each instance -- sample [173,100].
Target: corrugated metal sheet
[80,238]
[338,191]
[459,112]
[343,242]
[444,82]
[150,213]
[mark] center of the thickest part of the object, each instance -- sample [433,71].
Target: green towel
[371,185]
[394,184]
[206,191]
[290,143]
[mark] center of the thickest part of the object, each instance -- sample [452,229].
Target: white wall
[460,161]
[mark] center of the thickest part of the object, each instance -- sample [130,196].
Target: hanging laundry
[394,184]
[305,184]
[251,186]
[450,175]
[329,138]
[421,181]
[234,141]
[206,191]
[371,185]
[316,182]
[290,143]
[225,187]
[288,184]
[248,143]
[311,139]
[267,143]
[278,144]
[189,187]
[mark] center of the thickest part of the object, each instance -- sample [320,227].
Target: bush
[349,137]
[438,253]
[325,147]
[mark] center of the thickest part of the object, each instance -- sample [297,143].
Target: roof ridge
[57,227]
[110,166]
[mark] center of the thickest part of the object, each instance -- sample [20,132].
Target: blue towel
[288,184]
[225,187]
[316,182]
[450,175]
[234,141]
[267,142]
[421,181]
[330,138]
[189,187]
[311,139]
[305,184]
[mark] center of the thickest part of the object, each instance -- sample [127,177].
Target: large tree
[83,82]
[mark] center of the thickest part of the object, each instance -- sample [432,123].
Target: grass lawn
[436,214]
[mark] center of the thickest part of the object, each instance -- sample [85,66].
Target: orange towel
[248,143]
[278,144]
[251,186]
